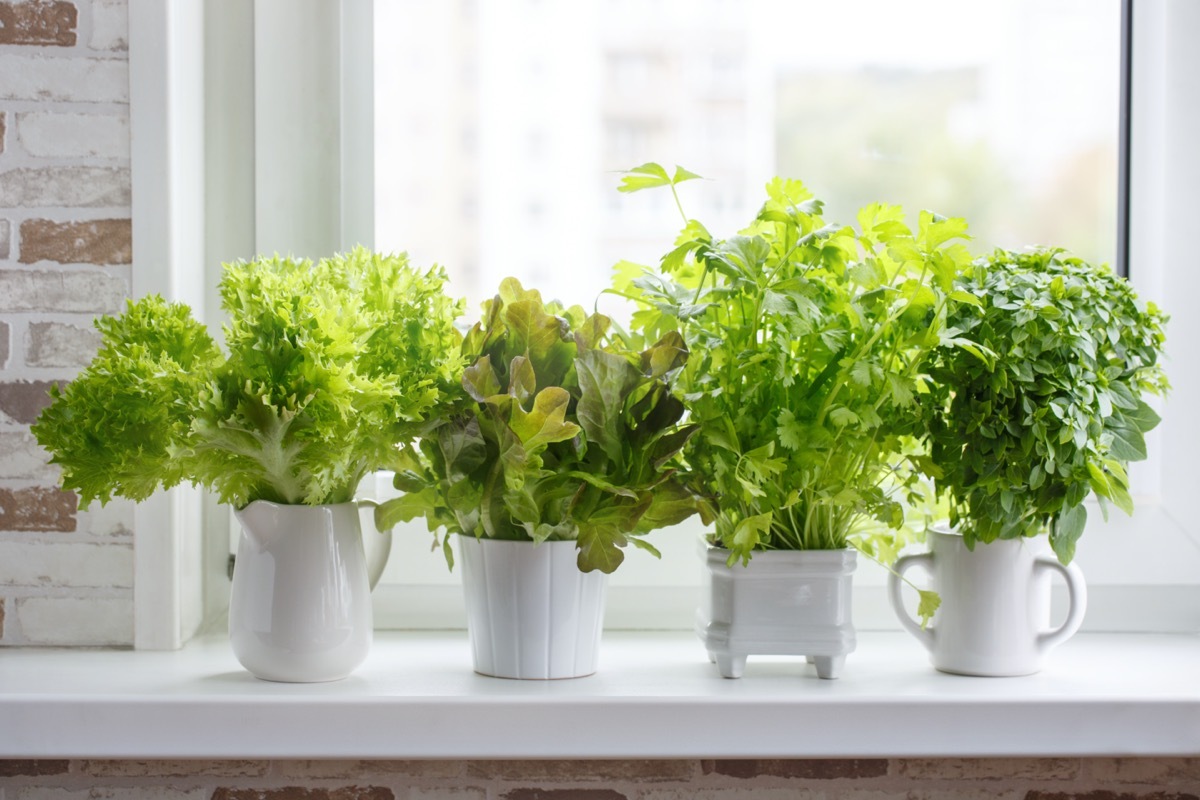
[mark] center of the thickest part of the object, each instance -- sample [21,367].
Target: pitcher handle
[378,556]
[903,564]
[1076,592]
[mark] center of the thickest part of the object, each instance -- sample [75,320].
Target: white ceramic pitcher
[300,607]
[994,619]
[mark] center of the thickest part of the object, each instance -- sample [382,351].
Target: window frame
[179,573]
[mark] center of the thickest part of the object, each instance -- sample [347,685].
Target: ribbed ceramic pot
[300,604]
[531,614]
[784,602]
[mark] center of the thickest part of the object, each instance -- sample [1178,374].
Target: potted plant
[557,454]
[808,341]
[1045,409]
[324,365]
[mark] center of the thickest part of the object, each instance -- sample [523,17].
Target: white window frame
[179,573]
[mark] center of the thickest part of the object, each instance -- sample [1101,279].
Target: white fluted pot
[300,604]
[531,614]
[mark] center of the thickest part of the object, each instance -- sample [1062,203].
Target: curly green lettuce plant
[808,341]
[1056,407]
[561,433]
[325,366]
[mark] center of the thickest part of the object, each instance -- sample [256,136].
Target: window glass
[501,126]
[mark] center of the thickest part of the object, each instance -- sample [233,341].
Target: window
[740,91]
[1005,113]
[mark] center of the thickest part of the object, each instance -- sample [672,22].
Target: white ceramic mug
[994,618]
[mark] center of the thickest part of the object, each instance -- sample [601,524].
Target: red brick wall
[66,577]
[862,779]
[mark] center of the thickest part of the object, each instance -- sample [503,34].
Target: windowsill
[655,696]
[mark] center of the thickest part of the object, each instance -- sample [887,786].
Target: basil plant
[560,432]
[1048,406]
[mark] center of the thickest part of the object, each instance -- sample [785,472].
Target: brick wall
[864,779]
[66,577]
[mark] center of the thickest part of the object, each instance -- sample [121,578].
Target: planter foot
[712,658]
[731,666]
[828,667]
[811,659]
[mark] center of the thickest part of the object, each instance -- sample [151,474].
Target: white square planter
[783,602]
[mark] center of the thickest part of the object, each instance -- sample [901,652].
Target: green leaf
[546,422]
[934,231]
[682,175]
[1066,530]
[1128,443]
[605,380]
[535,334]
[749,253]
[522,382]
[842,416]
[523,508]
[675,259]
[462,447]
[403,509]
[601,483]
[927,605]
[624,274]
[1121,497]
[599,548]
[965,297]
[790,434]
[1143,418]
[666,355]
[747,535]
[642,544]
[670,504]
[592,332]
[647,176]
[603,534]
[480,380]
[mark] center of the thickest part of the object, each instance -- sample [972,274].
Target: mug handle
[1076,591]
[924,635]
[380,554]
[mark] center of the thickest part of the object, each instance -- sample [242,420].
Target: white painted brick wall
[64,159]
[57,344]
[112,520]
[110,25]
[78,186]
[73,80]
[73,135]
[50,564]
[72,620]
[52,290]
[24,459]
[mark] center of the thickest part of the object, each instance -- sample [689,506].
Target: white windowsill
[656,696]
